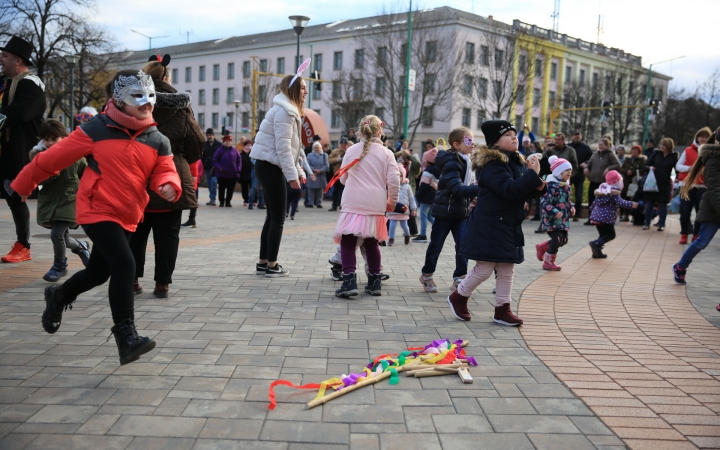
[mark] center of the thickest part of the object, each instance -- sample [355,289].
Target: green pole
[150,49]
[647,109]
[312,83]
[407,72]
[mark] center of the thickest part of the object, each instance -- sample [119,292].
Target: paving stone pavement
[224,334]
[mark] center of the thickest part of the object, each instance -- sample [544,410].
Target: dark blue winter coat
[493,232]
[453,197]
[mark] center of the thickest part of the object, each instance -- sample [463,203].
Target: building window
[174,76]
[201,97]
[485,55]
[216,96]
[499,58]
[263,65]
[519,121]
[337,61]
[201,120]
[498,88]
[231,71]
[551,99]
[403,54]
[188,74]
[553,71]
[608,84]
[261,93]
[427,116]
[318,62]
[380,86]
[581,80]
[380,113]
[201,73]
[536,99]
[215,120]
[230,119]
[246,69]
[480,118]
[466,115]
[281,66]
[431,51]
[382,56]
[469,53]
[568,74]
[359,58]
[538,68]
[482,88]
[467,85]
[522,64]
[595,79]
[245,120]
[335,119]
[336,90]
[429,83]
[216,72]
[246,94]
[535,124]
[316,93]
[357,85]
[230,95]
[520,93]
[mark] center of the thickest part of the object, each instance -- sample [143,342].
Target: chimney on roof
[490,17]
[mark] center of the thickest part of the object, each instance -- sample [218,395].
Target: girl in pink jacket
[372,185]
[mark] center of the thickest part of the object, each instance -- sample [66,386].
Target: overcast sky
[646,28]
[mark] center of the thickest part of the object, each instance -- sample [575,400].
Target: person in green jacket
[56,202]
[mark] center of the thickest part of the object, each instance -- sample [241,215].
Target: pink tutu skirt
[361,226]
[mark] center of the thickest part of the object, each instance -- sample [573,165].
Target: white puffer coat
[278,139]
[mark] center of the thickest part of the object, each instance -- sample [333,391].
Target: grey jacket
[600,161]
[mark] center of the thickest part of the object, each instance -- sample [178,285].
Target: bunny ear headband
[300,70]
[165,60]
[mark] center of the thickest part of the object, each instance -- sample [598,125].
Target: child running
[372,184]
[604,211]
[125,153]
[494,236]
[557,209]
[707,164]
[56,202]
[456,189]
[406,198]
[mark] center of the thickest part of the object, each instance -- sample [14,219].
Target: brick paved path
[225,333]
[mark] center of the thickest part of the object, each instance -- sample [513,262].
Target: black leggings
[558,238]
[110,258]
[292,200]
[273,183]
[21,217]
[165,228]
[606,232]
[245,188]
[226,187]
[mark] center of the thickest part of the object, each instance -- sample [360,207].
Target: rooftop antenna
[601,21]
[187,34]
[556,16]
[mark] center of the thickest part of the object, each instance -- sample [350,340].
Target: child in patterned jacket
[556,210]
[604,211]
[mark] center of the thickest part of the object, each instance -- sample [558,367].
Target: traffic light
[606,110]
[315,75]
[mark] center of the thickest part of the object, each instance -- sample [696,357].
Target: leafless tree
[709,93]
[624,87]
[580,95]
[350,95]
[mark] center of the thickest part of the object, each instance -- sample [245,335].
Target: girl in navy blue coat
[493,234]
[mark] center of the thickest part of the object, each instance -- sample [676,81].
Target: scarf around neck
[123,119]
[469,174]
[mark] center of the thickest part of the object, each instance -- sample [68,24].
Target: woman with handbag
[632,169]
[661,163]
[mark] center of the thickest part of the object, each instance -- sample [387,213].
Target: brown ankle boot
[504,316]
[137,289]
[161,290]
[458,305]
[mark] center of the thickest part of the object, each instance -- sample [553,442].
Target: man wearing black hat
[211,146]
[21,113]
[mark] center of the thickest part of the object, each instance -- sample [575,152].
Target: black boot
[83,253]
[348,287]
[130,345]
[57,271]
[55,304]
[336,271]
[190,223]
[596,247]
[374,285]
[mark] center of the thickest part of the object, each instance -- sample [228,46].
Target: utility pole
[150,38]
[407,73]
[253,102]
[310,89]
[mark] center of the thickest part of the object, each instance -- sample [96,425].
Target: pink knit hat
[614,180]
[403,172]
[429,157]
[558,166]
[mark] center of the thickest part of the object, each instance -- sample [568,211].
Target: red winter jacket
[120,165]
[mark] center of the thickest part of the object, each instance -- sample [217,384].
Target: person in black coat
[209,149]
[583,153]
[23,107]
[661,162]
[493,235]
[456,189]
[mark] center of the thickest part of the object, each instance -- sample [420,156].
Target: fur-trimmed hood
[178,100]
[708,151]
[599,193]
[484,155]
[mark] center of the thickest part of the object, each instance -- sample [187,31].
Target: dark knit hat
[317,138]
[210,131]
[494,129]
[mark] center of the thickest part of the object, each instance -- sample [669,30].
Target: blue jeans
[212,185]
[393,227]
[686,207]
[441,229]
[425,212]
[256,188]
[649,206]
[707,232]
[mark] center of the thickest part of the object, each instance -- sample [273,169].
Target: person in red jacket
[125,152]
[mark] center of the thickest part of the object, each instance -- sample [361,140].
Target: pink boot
[541,249]
[549,263]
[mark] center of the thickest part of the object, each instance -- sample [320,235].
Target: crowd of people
[479,193]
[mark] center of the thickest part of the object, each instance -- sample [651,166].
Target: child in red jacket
[124,151]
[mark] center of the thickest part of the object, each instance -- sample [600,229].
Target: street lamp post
[406,109]
[150,38]
[71,60]
[237,108]
[299,23]
[646,130]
